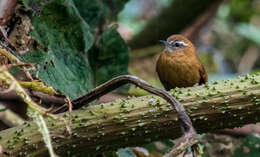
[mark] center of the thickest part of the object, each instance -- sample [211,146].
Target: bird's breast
[178,70]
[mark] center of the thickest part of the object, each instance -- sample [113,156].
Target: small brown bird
[178,65]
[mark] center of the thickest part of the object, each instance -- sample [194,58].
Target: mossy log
[135,121]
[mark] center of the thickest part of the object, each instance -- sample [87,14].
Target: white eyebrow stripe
[171,42]
[181,43]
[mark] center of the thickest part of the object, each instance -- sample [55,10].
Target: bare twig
[9,66]
[241,132]
[187,140]
[45,98]
[15,60]
[67,124]
[67,99]
[8,79]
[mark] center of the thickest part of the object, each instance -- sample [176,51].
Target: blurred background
[225,33]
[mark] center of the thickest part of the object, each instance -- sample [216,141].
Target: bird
[178,64]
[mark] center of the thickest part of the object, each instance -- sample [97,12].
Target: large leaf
[99,12]
[64,39]
[114,7]
[91,11]
[112,59]
[109,58]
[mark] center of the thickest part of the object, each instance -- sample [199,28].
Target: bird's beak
[168,46]
[165,43]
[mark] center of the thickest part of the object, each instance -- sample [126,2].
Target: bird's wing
[165,84]
[203,75]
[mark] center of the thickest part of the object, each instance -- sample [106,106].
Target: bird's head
[178,44]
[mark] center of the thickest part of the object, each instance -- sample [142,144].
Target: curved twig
[189,139]
[119,81]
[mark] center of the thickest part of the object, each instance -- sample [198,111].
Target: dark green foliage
[64,34]
[96,13]
[112,51]
[240,10]
[249,148]
[64,40]
[114,7]
[91,11]
[110,55]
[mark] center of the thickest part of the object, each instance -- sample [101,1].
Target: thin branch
[181,145]
[14,60]
[241,132]
[35,95]
[8,79]
[39,86]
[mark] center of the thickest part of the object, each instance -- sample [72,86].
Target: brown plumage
[178,65]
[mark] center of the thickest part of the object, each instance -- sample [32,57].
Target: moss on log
[135,121]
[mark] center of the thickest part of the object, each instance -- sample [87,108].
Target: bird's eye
[177,44]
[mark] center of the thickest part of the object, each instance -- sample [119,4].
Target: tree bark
[135,121]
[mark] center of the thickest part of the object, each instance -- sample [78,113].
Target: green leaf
[109,58]
[96,13]
[114,7]
[249,148]
[239,10]
[112,59]
[125,152]
[91,11]
[64,39]
[64,51]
